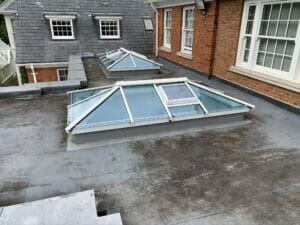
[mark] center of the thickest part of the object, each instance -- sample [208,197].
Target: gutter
[156,29]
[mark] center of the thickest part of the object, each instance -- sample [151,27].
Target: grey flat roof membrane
[122,62]
[129,104]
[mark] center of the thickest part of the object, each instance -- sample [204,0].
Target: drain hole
[102,213]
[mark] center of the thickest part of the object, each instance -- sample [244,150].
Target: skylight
[121,60]
[146,102]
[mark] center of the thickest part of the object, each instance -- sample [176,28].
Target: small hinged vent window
[148,24]
[177,94]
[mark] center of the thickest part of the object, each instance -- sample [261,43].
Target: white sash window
[270,38]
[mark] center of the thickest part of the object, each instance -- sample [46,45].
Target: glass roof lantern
[146,102]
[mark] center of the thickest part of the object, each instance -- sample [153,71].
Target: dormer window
[109,27]
[62,27]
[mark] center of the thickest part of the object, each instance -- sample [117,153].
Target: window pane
[286,64]
[272,28]
[251,14]
[263,28]
[275,12]
[187,110]
[296,11]
[175,92]
[290,48]
[248,42]
[266,12]
[214,102]
[249,27]
[281,28]
[260,58]
[292,29]
[268,60]
[277,62]
[280,47]
[271,45]
[263,44]
[285,10]
[144,103]
[106,113]
[246,56]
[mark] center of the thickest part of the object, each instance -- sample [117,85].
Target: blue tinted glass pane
[214,102]
[109,59]
[78,109]
[187,110]
[79,96]
[141,63]
[144,103]
[123,64]
[110,112]
[177,91]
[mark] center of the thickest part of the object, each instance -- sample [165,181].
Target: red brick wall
[43,74]
[203,42]
[216,37]
[229,23]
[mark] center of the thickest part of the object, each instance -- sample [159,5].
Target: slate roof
[33,37]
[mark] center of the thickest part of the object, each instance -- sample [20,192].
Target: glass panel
[281,28]
[251,14]
[79,109]
[249,27]
[214,102]
[263,45]
[285,10]
[275,12]
[292,30]
[79,96]
[143,63]
[248,42]
[246,56]
[187,110]
[277,62]
[125,63]
[177,91]
[290,48]
[286,64]
[266,12]
[272,28]
[110,112]
[144,103]
[271,45]
[260,58]
[280,47]
[263,28]
[295,15]
[268,60]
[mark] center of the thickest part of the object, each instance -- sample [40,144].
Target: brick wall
[216,37]
[203,43]
[229,23]
[42,74]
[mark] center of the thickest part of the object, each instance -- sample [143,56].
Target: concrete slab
[74,209]
[66,209]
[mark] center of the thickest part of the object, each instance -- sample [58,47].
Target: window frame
[62,18]
[165,43]
[145,23]
[110,19]
[252,65]
[185,49]
[58,73]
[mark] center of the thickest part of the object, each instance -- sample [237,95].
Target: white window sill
[185,55]
[287,84]
[165,49]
